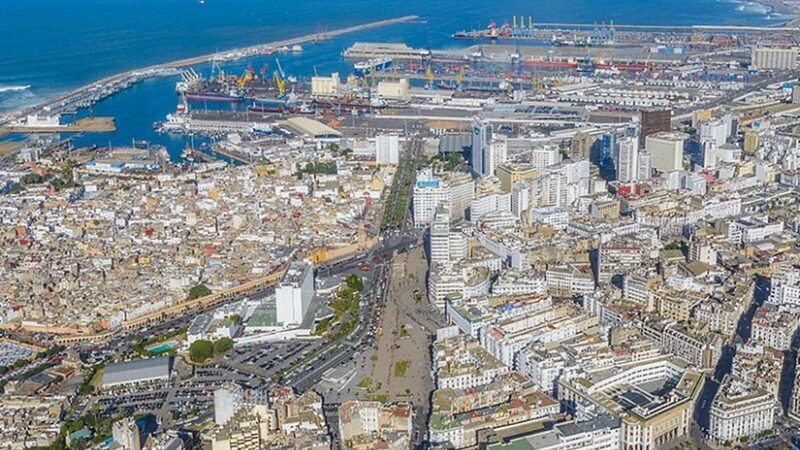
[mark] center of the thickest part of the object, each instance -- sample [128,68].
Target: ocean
[50,46]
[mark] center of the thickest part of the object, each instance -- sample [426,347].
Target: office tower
[751,141]
[645,165]
[545,157]
[440,236]
[481,140]
[653,121]
[453,190]
[227,400]
[709,154]
[580,145]
[294,293]
[667,150]
[627,160]
[387,149]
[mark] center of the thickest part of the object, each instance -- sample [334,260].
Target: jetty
[87,125]
[77,98]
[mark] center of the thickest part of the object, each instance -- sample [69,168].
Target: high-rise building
[294,293]
[387,149]
[627,160]
[453,190]
[580,146]
[440,237]
[227,400]
[667,150]
[510,173]
[545,157]
[774,58]
[751,141]
[653,121]
[125,432]
[481,141]
[608,142]
[709,154]
[717,131]
[645,165]
[498,154]
[520,198]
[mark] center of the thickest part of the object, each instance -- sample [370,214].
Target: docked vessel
[349,103]
[213,96]
[363,68]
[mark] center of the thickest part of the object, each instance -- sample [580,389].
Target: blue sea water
[50,46]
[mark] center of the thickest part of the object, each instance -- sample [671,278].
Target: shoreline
[155,70]
[779,7]
[139,74]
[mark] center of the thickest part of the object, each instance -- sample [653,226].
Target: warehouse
[313,129]
[137,371]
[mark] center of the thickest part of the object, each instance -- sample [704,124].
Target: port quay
[107,86]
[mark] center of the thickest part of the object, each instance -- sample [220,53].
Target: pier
[73,98]
[87,125]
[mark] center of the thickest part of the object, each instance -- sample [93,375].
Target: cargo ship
[276,108]
[349,103]
[213,96]
[364,68]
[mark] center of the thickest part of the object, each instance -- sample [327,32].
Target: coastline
[139,74]
[792,20]
[779,7]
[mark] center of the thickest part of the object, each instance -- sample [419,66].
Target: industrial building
[137,371]
[765,58]
[313,129]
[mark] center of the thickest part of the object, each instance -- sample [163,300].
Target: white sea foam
[14,88]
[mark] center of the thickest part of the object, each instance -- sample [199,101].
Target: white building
[667,150]
[125,432]
[709,154]
[227,401]
[489,203]
[481,151]
[545,157]
[774,58]
[440,237]
[599,433]
[294,293]
[785,286]
[645,165]
[627,159]
[454,191]
[717,131]
[740,410]
[552,216]
[387,149]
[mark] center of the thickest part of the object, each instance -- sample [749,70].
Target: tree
[354,282]
[200,290]
[201,350]
[223,345]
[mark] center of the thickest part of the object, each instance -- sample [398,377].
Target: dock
[721,28]
[76,98]
[87,125]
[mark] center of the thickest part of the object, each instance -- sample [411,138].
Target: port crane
[246,77]
[263,72]
[279,76]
